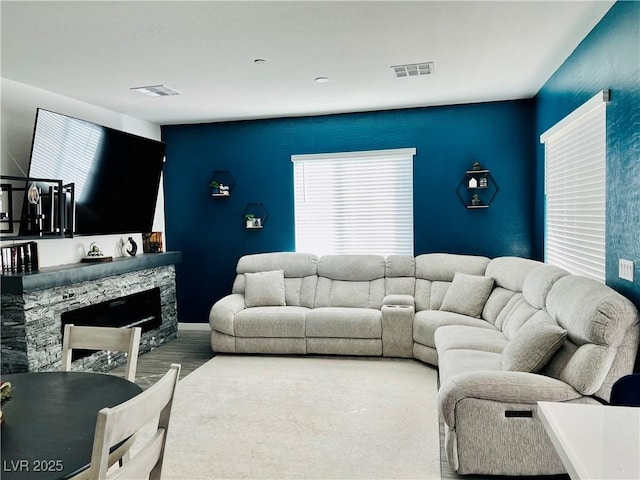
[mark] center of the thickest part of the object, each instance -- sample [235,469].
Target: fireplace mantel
[33,304]
[61,275]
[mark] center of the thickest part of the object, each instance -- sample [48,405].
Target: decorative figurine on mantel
[95,255]
[131,247]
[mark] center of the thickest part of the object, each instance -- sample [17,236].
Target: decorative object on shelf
[131,247]
[152,242]
[33,194]
[478,188]
[20,258]
[36,207]
[221,183]
[254,216]
[95,255]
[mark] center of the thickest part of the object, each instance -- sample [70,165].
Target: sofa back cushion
[538,284]
[350,281]
[400,275]
[300,274]
[435,272]
[509,274]
[602,334]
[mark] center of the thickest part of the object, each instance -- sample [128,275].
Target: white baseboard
[193,326]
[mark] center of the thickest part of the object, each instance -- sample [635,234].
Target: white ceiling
[96,51]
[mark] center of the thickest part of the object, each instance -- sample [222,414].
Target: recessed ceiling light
[156,90]
[322,79]
[260,61]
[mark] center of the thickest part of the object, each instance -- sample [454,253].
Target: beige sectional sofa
[505,333]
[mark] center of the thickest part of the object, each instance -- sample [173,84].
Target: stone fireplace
[126,292]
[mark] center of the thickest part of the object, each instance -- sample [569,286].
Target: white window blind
[354,202]
[575,189]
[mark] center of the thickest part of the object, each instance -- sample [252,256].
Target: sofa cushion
[496,302]
[359,268]
[443,266]
[539,282]
[342,322]
[456,362]
[294,264]
[514,315]
[271,322]
[467,294]
[463,337]
[510,272]
[300,274]
[533,345]
[264,289]
[426,322]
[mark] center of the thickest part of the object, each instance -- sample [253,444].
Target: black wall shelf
[477,189]
[222,183]
[255,216]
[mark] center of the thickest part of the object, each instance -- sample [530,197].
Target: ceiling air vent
[156,90]
[413,69]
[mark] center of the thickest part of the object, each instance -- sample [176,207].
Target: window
[575,190]
[355,202]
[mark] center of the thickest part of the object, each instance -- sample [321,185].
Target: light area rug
[267,417]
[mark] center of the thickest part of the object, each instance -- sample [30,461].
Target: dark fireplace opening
[142,310]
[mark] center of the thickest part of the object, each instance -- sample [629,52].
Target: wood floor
[192,349]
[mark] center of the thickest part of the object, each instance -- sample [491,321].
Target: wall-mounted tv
[116,175]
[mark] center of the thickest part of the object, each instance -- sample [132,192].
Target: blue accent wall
[210,231]
[608,58]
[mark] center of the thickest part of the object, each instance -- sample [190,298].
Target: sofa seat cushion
[270,322]
[462,337]
[426,322]
[344,322]
[456,362]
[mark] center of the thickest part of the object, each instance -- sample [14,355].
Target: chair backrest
[626,391]
[102,338]
[118,423]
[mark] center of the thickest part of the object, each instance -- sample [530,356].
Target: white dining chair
[117,424]
[102,338]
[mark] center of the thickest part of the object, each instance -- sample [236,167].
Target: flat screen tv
[116,175]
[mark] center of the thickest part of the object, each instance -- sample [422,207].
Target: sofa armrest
[223,312]
[501,386]
[398,300]
[397,330]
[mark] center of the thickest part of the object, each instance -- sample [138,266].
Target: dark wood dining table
[50,419]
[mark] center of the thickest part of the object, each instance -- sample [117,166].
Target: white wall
[19,103]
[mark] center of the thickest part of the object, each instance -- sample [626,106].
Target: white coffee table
[595,442]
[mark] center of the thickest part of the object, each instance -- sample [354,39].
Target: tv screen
[116,174]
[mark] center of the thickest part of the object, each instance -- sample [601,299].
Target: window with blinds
[354,202]
[575,190]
